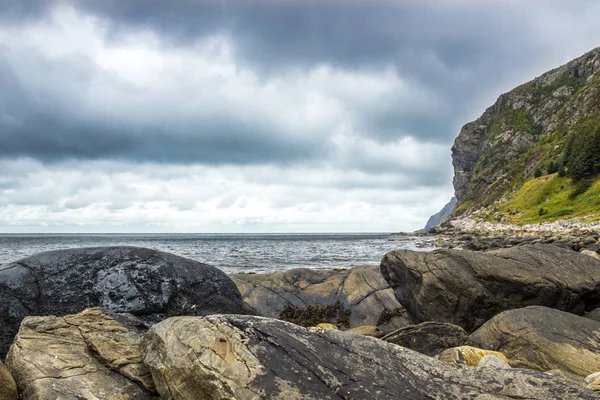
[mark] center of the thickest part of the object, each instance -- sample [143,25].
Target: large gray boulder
[544,339]
[245,357]
[348,298]
[468,288]
[148,283]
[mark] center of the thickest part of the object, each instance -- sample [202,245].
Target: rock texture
[468,288]
[84,356]
[144,282]
[347,298]
[438,217]
[428,338]
[491,153]
[544,339]
[8,388]
[468,356]
[594,314]
[244,357]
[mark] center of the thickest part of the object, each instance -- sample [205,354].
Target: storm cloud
[334,104]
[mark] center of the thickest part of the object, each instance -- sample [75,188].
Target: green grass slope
[550,198]
[520,143]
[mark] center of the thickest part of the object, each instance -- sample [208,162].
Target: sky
[255,116]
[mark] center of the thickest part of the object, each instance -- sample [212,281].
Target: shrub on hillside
[582,155]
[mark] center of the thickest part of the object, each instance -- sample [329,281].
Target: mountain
[534,155]
[435,219]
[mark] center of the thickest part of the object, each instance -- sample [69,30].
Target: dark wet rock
[244,357]
[592,247]
[148,283]
[468,288]
[347,298]
[430,338]
[83,356]
[544,339]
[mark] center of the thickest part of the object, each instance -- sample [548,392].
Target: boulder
[8,388]
[593,381]
[148,283]
[467,356]
[492,361]
[367,330]
[544,339]
[325,325]
[468,288]
[347,298]
[89,355]
[246,357]
[594,314]
[428,338]
[595,386]
[592,377]
[591,253]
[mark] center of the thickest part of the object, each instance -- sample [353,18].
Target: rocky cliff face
[443,213]
[524,130]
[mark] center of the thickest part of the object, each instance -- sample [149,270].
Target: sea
[233,253]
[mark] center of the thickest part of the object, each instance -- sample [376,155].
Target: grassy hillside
[549,198]
[509,161]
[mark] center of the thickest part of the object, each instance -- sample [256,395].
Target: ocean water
[234,252]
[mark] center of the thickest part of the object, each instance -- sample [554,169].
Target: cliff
[524,160]
[440,215]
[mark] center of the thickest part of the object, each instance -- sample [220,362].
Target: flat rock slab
[349,298]
[430,338]
[468,288]
[84,356]
[145,282]
[544,339]
[245,357]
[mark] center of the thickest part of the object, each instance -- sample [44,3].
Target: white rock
[490,361]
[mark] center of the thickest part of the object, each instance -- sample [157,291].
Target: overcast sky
[255,116]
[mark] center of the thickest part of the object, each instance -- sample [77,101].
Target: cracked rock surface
[468,288]
[360,292]
[89,355]
[429,338]
[148,283]
[544,339]
[246,357]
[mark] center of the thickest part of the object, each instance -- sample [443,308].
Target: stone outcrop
[468,288]
[347,298]
[8,388]
[246,357]
[430,338]
[89,355]
[148,283]
[544,339]
[467,356]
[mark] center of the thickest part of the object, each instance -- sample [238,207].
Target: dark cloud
[458,52]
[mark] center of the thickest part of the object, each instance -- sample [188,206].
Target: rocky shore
[469,233]
[130,323]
